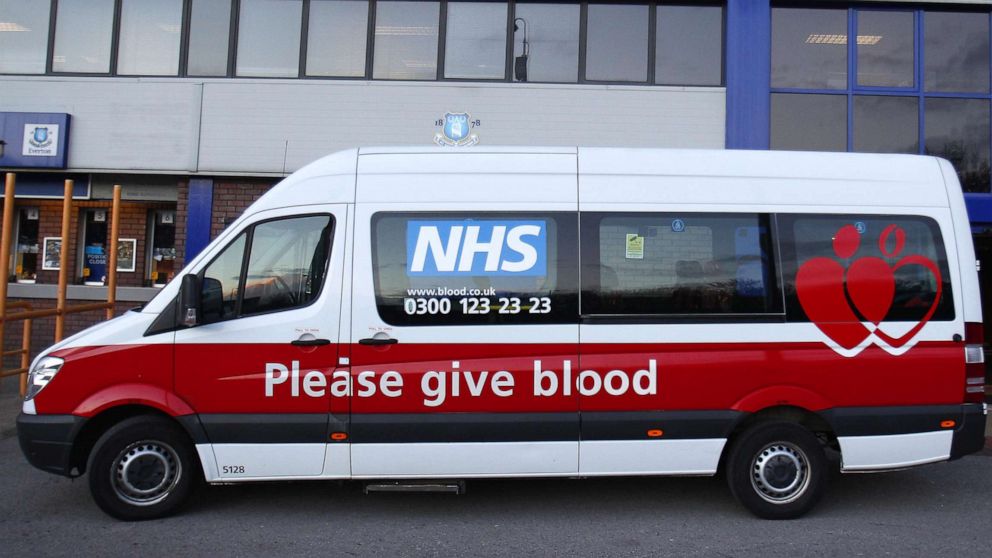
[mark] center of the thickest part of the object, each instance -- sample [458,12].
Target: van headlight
[42,373]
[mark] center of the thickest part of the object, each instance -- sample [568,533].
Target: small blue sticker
[861,227]
[678,225]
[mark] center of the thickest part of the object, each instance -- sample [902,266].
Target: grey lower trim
[80,292]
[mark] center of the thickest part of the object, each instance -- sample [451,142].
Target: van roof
[617,175]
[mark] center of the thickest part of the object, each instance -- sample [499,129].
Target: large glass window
[809,122]
[617,42]
[269,38]
[83,30]
[479,268]
[885,108]
[809,48]
[676,264]
[884,124]
[94,246]
[23,36]
[551,32]
[475,41]
[958,130]
[406,40]
[162,247]
[337,37]
[26,252]
[209,35]
[810,242]
[957,51]
[149,37]
[287,262]
[885,48]
[689,50]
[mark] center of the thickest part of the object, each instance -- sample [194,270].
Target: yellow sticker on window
[635,247]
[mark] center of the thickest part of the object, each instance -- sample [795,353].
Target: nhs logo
[473,248]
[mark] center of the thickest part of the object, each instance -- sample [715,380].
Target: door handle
[310,342]
[378,341]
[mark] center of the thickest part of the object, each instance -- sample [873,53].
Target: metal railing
[61,310]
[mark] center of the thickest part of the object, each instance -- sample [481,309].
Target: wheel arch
[810,420]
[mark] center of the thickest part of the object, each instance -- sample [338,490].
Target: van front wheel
[777,470]
[141,468]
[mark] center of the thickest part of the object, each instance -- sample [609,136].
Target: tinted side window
[287,261]
[677,264]
[880,267]
[475,268]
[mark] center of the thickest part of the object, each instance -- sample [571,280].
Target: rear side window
[475,268]
[871,268]
[675,264]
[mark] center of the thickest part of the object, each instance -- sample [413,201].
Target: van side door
[464,325]
[258,367]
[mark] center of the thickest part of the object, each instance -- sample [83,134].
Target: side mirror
[189,300]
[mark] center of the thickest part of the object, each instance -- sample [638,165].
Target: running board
[446,487]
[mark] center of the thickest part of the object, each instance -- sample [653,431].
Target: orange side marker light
[948,424]
[656,433]
[339,436]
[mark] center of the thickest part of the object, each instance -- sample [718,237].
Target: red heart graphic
[820,287]
[872,286]
[932,267]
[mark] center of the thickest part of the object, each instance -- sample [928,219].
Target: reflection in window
[809,48]
[209,29]
[269,38]
[337,37]
[24,38]
[149,37]
[552,32]
[958,130]
[162,263]
[885,48]
[957,51]
[475,44]
[82,36]
[221,281]
[94,250]
[689,45]
[406,40]
[884,124]
[287,263]
[640,263]
[617,42]
[809,122]
[26,250]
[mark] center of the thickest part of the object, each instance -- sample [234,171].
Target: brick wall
[182,216]
[230,201]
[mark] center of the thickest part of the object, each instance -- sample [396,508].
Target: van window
[890,265]
[677,264]
[287,260]
[475,268]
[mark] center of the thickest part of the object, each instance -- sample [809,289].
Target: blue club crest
[456,130]
[40,134]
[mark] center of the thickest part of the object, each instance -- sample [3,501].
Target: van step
[447,487]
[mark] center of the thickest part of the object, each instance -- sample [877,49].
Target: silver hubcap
[145,473]
[780,473]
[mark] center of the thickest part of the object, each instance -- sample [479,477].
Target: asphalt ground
[936,510]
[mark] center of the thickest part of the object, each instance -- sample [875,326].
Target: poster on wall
[52,253]
[126,248]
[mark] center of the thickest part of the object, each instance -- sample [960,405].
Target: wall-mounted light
[2,145]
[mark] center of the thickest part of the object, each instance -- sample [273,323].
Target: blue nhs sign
[472,248]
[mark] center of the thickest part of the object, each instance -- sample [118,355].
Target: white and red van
[412,314]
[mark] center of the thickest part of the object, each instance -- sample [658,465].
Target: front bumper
[47,441]
[969,436]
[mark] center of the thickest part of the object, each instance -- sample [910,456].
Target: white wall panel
[281,126]
[117,124]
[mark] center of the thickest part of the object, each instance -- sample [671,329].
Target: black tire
[777,470]
[142,468]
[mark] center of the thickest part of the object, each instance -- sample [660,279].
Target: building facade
[196,107]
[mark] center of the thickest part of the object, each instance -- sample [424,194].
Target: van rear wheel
[777,470]
[141,468]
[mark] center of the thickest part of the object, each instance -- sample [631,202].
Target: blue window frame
[961,132]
